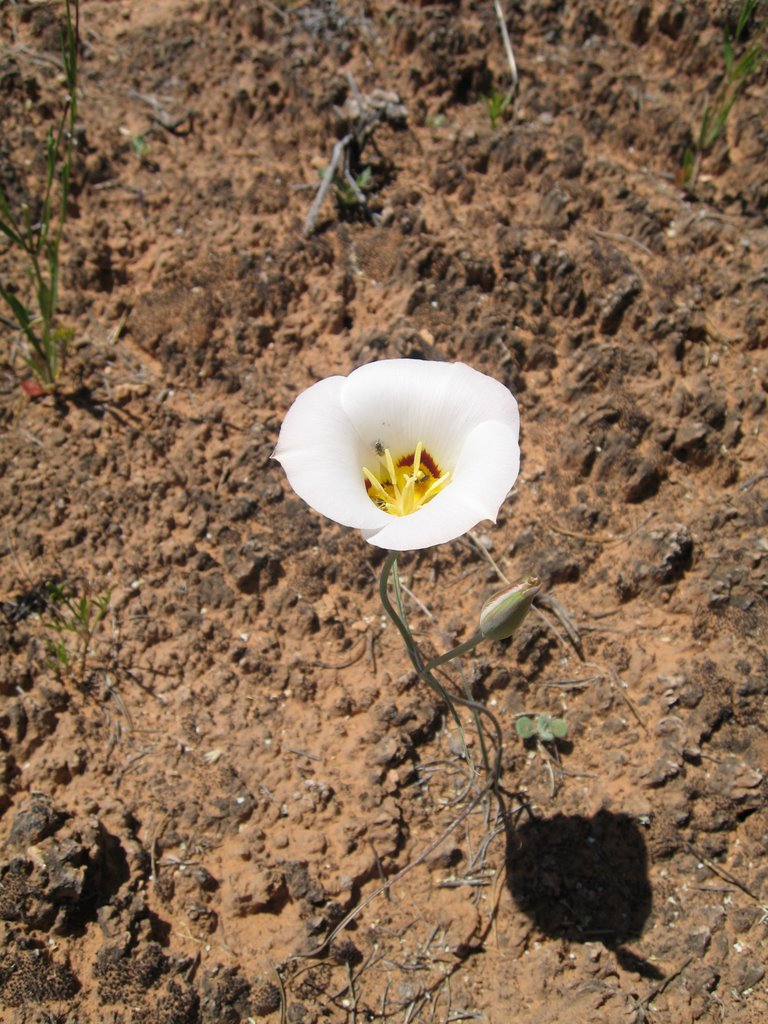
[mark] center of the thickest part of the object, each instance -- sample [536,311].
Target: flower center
[402,487]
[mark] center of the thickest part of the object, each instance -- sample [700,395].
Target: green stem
[390,568]
[456,652]
[425,669]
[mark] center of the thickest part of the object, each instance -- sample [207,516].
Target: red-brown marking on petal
[432,466]
[427,463]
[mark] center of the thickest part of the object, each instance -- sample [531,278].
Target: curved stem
[414,653]
[456,652]
[424,670]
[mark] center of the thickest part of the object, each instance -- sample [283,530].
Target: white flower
[412,453]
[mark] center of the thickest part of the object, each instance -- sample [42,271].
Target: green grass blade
[728,54]
[8,225]
[748,64]
[10,234]
[747,9]
[19,310]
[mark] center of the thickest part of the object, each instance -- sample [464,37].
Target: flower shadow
[584,879]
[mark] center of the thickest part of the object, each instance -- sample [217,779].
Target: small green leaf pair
[545,727]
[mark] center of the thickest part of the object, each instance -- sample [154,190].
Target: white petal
[323,455]
[485,472]
[399,402]
[487,468]
[467,421]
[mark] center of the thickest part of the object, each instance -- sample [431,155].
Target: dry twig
[507,48]
[325,184]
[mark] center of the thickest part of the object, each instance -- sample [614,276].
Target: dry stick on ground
[507,48]
[434,845]
[726,875]
[607,538]
[612,236]
[748,484]
[565,619]
[283,996]
[371,961]
[159,114]
[618,684]
[351,660]
[361,115]
[325,184]
[658,989]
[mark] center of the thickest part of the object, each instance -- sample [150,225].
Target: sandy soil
[244,755]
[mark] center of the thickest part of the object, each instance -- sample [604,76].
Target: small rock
[252,891]
[444,858]
[734,779]
[689,695]
[690,440]
[265,997]
[747,974]
[742,918]
[698,941]
[674,548]
[37,820]
[301,885]
[617,303]
[388,752]
[662,771]
[642,484]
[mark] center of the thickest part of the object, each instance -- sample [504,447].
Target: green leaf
[727,50]
[689,162]
[11,234]
[524,727]
[744,15]
[45,301]
[559,728]
[748,65]
[20,311]
[704,130]
[544,728]
[9,229]
[57,649]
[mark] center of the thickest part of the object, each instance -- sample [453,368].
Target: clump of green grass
[741,61]
[349,191]
[39,239]
[497,104]
[73,619]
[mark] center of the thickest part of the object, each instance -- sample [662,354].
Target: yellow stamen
[436,485]
[404,486]
[390,467]
[377,487]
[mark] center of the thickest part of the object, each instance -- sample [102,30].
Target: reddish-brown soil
[245,754]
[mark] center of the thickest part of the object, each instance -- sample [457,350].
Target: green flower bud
[503,614]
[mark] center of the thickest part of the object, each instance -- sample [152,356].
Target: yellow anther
[390,467]
[404,487]
[435,486]
[372,480]
[417,459]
